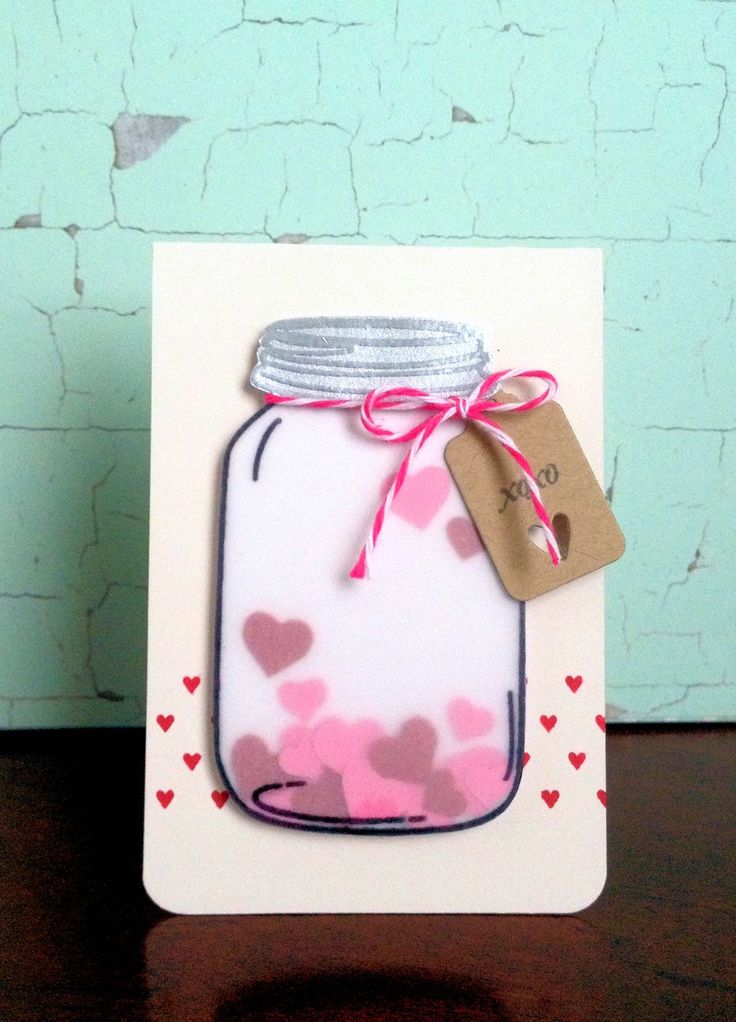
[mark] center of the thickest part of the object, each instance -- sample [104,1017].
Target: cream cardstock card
[546,852]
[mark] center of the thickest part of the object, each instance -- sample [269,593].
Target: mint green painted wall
[407,122]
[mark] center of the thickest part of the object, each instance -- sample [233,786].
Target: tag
[496,495]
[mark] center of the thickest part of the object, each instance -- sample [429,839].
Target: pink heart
[479,774]
[282,798]
[464,537]
[367,794]
[297,756]
[302,698]
[467,720]
[337,742]
[276,644]
[377,809]
[422,495]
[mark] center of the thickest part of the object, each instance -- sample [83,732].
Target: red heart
[550,797]
[600,721]
[276,644]
[409,756]
[601,796]
[165,798]
[576,758]
[573,683]
[220,798]
[165,722]
[548,722]
[191,684]
[526,759]
[191,759]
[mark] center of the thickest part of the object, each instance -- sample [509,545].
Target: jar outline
[293,820]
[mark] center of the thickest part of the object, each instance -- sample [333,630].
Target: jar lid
[348,357]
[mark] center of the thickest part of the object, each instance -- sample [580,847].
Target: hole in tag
[561,529]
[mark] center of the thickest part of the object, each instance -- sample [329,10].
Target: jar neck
[349,357]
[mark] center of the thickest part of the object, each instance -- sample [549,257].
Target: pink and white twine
[475,407]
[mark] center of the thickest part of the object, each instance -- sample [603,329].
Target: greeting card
[376,604]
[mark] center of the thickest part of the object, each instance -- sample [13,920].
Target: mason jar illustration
[391,704]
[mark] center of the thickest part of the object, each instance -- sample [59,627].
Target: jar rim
[349,356]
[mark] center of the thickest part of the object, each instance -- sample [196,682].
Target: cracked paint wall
[480,122]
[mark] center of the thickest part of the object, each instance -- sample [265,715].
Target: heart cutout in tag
[561,529]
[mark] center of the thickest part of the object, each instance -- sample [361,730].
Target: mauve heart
[323,797]
[422,495]
[441,795]
[252,764]
[463,537]
[276,644]
[409,756]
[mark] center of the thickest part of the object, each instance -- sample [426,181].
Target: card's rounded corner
[162,898]
[597,893]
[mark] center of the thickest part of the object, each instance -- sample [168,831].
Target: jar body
[393,704]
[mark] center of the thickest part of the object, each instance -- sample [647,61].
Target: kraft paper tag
[496,495]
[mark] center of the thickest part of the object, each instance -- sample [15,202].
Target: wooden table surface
[79,939]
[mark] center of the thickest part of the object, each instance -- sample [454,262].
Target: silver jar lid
[348,357]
